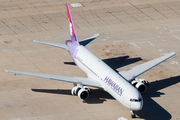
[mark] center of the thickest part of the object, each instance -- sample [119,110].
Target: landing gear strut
[133,115]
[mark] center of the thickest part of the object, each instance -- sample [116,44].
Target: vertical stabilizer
[71,26]
[73,44]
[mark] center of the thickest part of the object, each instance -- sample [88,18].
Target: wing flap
[53,44]
[77,80]
[140,69]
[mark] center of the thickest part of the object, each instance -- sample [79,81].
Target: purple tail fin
[73,44]
[71,26]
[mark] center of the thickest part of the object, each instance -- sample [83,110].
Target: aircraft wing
[140,69]
[76,80]
[53,44]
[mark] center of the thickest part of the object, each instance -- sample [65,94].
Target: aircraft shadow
[69,63]
[53,91]
[117,62]
[97,96]
[152,110]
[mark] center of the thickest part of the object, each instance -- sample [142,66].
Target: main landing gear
[132,114]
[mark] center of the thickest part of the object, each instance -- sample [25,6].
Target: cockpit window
[136,100]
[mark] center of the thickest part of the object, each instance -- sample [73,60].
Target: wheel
[133,116]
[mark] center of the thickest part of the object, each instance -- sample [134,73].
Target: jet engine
[81,91]
[140,84]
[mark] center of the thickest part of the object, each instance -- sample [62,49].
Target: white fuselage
[111,81]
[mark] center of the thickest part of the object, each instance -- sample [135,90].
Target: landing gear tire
[133,115]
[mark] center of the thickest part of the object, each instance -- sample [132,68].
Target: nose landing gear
[132,114]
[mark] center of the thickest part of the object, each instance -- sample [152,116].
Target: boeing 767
[124,86]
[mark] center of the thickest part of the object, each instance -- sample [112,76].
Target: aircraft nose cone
[140,105]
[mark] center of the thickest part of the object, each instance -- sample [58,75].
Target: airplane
[124,86]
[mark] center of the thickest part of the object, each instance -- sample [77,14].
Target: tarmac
[131,32]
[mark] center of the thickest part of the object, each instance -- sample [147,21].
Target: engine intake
[81,91]
[140,84]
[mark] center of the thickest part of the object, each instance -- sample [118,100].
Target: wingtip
[6,71]
[97,34]
[173,53]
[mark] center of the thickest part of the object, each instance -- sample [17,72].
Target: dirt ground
[131,32]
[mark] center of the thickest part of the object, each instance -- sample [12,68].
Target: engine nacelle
[75,90]
[81,91]
[140,84]
[144,81]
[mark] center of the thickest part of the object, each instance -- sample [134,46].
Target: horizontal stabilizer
[64,46]
[88,40]
[76,80]
[140,69]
